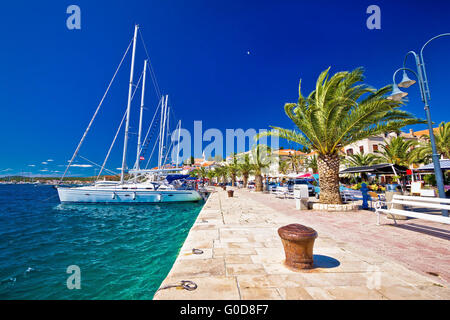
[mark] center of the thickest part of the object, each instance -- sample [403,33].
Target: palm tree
[222,173]
[283,167]
[211,174]
[442,138]
[200,173]
[311,163]
[361,159]
[340,111]
[245,168]
[400,152]
[233,169]
[294,161]
[261,158]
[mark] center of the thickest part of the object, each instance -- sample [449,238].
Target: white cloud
[82,165]
[44,170]
[44,162]
[50,160]
[32,165]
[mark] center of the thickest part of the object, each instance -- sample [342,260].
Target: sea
[50,250]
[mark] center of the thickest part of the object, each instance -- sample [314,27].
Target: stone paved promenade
[355,259]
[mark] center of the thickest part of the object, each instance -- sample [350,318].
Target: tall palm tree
[400,151]
[245,168]
[261,158]
[340,111]
[442,138]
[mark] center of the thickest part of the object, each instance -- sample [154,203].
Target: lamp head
[406,81]
[397,94]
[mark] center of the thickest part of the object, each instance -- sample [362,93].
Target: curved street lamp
[397,94]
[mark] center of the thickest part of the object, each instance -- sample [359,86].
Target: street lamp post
[397,94]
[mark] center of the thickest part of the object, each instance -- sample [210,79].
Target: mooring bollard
[230,193]
[298,243]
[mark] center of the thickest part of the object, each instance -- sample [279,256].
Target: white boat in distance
[143,186]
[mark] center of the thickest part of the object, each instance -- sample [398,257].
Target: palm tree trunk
[258,183]
[328,166]
[233,180]
[245,178]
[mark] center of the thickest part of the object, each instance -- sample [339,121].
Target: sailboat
[143,186]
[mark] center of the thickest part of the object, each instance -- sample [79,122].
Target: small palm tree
[340,111]
[442,138]
[295,161]
[211,174]
[361,159]
[222,173]
[233,169]
[311,163]
[400,152]
[199,173]
[245,168]
[261,158]
[283,167]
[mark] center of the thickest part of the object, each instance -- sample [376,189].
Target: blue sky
[52,78]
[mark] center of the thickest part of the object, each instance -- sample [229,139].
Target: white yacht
[127,193]
[143,186]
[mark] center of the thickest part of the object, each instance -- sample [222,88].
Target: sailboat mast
[160,133]
[140,118]
[178,150]
[127,125]
[164,127]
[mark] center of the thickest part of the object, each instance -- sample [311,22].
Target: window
[361,149]
[349,152]
[375,147]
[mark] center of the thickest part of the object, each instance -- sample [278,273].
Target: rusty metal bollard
[298,243]
[230,193]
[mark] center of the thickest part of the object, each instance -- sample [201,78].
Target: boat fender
[134,195]
[113,196]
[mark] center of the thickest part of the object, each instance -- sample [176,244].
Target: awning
[383,168]
[172,177]
[445,165]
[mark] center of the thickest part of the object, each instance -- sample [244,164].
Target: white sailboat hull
[107,195]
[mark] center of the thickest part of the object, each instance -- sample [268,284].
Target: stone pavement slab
[243,257]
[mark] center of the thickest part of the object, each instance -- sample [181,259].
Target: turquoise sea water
[123,251]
